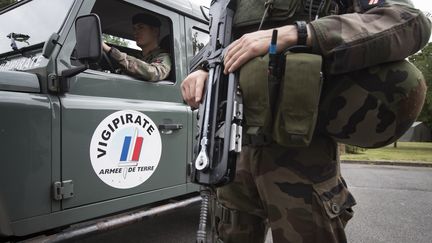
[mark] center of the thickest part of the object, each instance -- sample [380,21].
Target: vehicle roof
[186,7]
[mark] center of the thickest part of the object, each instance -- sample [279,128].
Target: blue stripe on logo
[125,150]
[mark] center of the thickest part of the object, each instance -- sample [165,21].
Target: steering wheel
[107,60]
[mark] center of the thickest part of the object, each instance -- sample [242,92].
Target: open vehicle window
[117,29]
[32,22]
[119,41]
[200,38]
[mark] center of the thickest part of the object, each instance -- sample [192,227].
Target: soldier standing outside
[299,192]
[155,63]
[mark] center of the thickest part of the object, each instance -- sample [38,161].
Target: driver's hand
[106,47]
[192,87]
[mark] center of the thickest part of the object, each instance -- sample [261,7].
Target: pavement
[394,204]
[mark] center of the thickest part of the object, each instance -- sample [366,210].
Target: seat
[165,44]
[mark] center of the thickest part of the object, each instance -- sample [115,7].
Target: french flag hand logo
[125,149]
[131,150]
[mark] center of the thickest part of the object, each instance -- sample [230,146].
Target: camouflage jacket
[353,34]
[152,67]
[370,33]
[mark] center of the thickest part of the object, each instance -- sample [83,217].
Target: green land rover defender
[80,139]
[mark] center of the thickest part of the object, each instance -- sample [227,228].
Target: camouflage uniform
[152,67]
[370,96]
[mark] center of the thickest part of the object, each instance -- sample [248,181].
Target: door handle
[169,128]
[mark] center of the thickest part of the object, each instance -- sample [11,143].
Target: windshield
[32,23]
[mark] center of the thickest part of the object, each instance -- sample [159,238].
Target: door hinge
[53,82]
[63,190]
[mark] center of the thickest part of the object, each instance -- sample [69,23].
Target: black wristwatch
[301,32]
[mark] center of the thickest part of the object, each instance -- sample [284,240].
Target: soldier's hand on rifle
[257,44]
[192,87]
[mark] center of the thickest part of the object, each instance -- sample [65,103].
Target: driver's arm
[157,69]
[106,48]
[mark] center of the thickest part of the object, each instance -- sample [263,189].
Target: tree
[4,3]
[114,40]
[196,44]
[423,61]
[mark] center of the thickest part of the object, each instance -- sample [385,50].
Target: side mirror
[88,47]
[88,38]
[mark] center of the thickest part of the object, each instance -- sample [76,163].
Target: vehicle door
[122,136]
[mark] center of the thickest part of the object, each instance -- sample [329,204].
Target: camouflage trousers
[298,192]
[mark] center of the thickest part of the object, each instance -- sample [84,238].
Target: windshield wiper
[17,37]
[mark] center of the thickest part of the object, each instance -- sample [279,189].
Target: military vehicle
[80,140]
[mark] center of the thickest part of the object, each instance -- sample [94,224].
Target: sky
[207,2]
[424,5]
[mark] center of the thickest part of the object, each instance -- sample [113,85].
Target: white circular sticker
[125,149]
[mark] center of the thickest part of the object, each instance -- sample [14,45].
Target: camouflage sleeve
[158,69]
[389,30]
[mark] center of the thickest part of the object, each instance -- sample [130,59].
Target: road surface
[394,204]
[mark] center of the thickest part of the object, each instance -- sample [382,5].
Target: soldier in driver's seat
[155,63]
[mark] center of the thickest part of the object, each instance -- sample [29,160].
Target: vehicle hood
[19,81]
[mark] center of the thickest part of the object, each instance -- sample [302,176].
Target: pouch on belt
[296,106]
[299,97]
[256,102]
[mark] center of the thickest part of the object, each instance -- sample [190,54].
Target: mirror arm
[68,73]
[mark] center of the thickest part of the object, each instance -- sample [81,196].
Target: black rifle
[221,113]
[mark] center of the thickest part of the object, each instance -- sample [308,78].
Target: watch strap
[301,32]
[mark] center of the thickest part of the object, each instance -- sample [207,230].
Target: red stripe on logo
[137,149]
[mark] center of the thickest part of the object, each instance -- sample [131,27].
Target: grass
[405,151]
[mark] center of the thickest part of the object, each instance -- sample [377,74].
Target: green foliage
[350,149]
[196,44]
[4,3]
[406,151]
[114,40]
[423,61]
